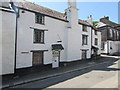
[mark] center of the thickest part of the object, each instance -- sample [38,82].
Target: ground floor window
[37,58]
[84,54]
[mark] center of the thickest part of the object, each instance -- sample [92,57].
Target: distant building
[33,35]
[110,36]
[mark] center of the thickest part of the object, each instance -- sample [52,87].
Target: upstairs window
[96,41]
[39,18]
[84,39]
[111,32]
[38,36]
[84,28]
[95,32]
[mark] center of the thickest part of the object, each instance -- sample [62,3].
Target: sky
[96,9]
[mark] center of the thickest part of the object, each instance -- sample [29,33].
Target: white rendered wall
[8,42]
[105,51]
[115,47]
[56,29]
[71,40]
[74,43]
[98,36]
[88,46]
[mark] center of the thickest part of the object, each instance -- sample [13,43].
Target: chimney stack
[72,13]
[90,20]
[72,3]
[104,19]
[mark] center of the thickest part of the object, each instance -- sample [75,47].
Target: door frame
[58,56]
[33,58]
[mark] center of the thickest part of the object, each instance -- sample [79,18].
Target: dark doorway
[37,58]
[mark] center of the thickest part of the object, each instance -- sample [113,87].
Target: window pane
[38,36]
[39,18]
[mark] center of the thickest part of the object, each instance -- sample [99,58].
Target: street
[99,78]
[103,75]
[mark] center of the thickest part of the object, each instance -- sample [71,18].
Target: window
[84,39]
[84,28]
[84,54]
[117,35]
[38,36]
[111,33]
[103,46]
[37,58]
[96,41]
[39,18]
[95,32]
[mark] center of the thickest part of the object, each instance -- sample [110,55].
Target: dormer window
[39,18]
[84,28]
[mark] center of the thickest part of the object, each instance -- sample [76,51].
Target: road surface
[101,76]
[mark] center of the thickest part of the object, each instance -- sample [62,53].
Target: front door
[37,58]
[84,54]
[56,59]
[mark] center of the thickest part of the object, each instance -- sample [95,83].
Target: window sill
[84,44]
[84,31]
[39,23]
[38,43]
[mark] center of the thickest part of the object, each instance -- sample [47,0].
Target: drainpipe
[16,9]
[91,41]
[107,42]
[17,15]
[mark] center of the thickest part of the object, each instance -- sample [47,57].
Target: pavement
[29,75]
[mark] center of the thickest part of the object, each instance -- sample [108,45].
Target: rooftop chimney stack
[104,19]
[90,20]
[72,3]
[72,13]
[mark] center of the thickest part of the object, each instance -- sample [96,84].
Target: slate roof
[106,21]
[83,22]
[41,9]
[46,11]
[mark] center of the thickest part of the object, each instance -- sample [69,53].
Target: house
[95,39]
[110,36]
[36,35]
[96,42]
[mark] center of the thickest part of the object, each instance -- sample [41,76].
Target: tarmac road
[101,76]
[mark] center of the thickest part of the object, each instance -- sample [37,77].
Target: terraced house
[33,35]
[110,36]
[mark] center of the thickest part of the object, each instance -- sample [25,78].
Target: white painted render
[71,40]
[98,36]
[111,47]
[114,47]
[88,46]
[7,42]
[70,33]
[105,50]
[56,29]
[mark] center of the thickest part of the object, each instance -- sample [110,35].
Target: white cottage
[34,35]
